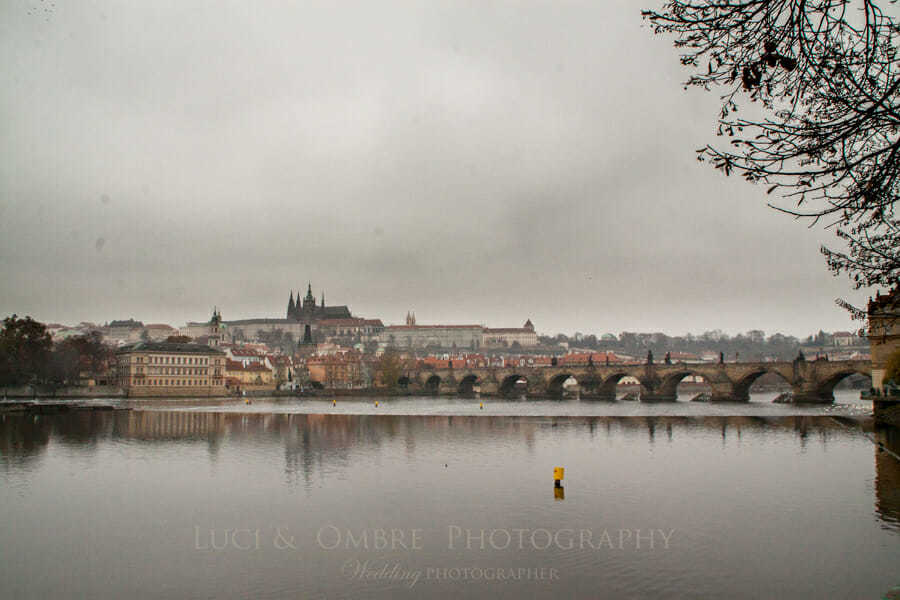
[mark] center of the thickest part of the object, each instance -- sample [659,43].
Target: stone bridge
[811,381]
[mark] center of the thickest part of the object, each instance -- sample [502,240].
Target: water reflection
[766,486]
[22,440]
[887,475]
[310,440]
[24,435]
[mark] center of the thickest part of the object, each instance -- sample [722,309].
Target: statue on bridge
[649,357]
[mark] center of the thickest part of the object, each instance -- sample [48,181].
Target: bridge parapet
[811,381]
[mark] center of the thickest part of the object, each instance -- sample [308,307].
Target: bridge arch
[556,385]
[742,386]
[825,388]
[433,384]
[607,388]
[669,384]
[467,385]
[509,384]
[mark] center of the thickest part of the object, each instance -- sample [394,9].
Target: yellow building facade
[170,369]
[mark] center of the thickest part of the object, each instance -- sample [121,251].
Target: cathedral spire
[291,306]
[323,299]
[310,301]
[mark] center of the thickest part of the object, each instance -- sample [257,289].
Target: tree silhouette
[390,366]
[25,349]
[825,80]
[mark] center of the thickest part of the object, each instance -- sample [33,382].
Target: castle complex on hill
[308,321]
[304,317]
[307,310]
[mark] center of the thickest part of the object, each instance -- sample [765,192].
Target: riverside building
[171,369]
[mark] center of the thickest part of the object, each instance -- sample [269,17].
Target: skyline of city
[412,313]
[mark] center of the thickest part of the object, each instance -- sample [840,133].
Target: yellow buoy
[482,405]
[558,474]
[376,404]
[334,402]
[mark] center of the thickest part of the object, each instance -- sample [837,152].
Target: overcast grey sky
[473,161]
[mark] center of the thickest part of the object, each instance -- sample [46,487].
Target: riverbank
[54,408]
[49,391]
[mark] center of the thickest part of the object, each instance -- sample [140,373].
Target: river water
[442,498]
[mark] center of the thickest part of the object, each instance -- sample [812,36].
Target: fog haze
[474,162]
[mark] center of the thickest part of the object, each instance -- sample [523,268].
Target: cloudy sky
[473,161]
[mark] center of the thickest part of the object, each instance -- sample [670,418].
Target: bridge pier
[651,395]
[886,410]
[537,388]
[658,398]
[597,394]
[726,392]
[812,397]
[447,389]
[488,388]
[812,391]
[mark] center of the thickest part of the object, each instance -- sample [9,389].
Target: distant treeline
[752,345]
[29,356]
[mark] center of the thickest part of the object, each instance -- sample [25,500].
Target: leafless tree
[824,77]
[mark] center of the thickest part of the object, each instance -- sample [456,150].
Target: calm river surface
[440,498]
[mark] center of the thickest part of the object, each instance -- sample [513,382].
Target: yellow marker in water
[334,402]
[376,404]
[482,405]
[558,474]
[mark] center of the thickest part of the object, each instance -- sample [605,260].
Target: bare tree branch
[826,74]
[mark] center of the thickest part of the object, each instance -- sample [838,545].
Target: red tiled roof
[394,327]
[333,359]
[258,366]
[236,365]
[244,352]
[598,358]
